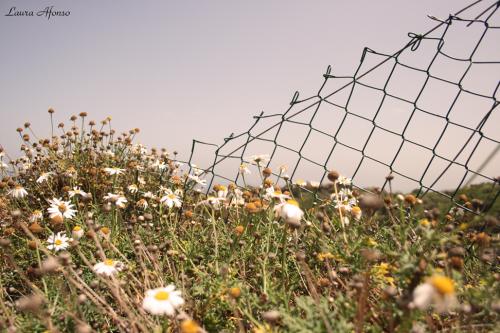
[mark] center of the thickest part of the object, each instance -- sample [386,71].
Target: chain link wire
[305,112]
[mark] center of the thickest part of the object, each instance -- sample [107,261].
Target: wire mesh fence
[427,114]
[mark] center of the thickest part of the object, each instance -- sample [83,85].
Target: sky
[188,69]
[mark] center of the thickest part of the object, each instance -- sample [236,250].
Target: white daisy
[18,192]
[214,202]
[44,177]
[161,301]
[142,203]
[77,232]
[58,241]
[290,212]
[356,213]
[70,172]
[437,291]
[171,200]
[77,191]
[198,180]
[221,191]
[196,171]
[104,232]
[108,267]
[260,159]
[237,198]
[118,200]
[133,188]
[300,182]
[313,184]
[60,208]
[160,165]
[114,171]
[244,170]
[271,193]
[36,215]
[344,181]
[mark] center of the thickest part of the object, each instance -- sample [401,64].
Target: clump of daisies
[100,233]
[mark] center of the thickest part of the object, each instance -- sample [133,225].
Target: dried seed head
[456,251]
[325,226]
[483,239]
[49,265]
[83,328]
[271,316]
[293,223]
[32,244]
[457,263]
[371,255]
[410,199]
[370,202]
[390,291]
[267,172]
[5,243]
[83,114]
[31,303]
[251,207]
[188,214]
[300,256]
[268,182]
[36,228]
[239,230]
[82,298]
[65,258]
[333,176]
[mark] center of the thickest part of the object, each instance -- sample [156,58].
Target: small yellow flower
[325,255]
[189,326]
[424,223]
[371,242]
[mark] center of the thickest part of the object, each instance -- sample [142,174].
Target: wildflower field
[100,234]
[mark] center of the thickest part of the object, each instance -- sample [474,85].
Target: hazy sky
[188,69]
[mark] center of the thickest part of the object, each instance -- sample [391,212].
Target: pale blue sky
[187,69]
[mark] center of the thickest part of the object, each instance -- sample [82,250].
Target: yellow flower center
[108,262]
[293,202]
[62,207]
[443,284]
[105,230]
[19,187]
[356,210]
[162,295]
[171,196]
[77,228]
[58,242]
